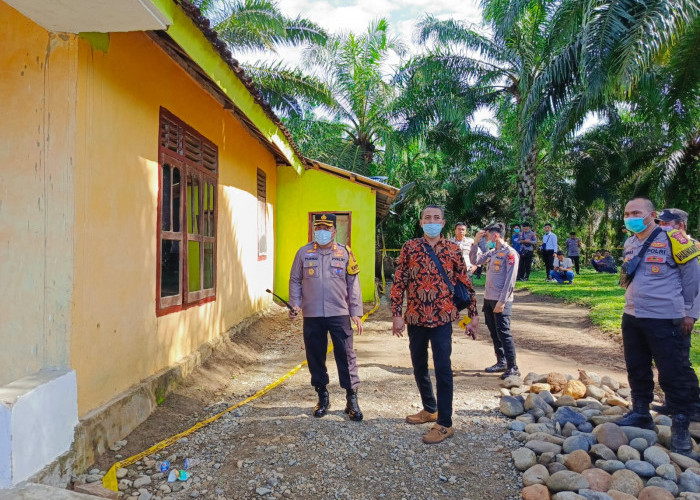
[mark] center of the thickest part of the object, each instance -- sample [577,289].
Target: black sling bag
[630,267]
[460,295]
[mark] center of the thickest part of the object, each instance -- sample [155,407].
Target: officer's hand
[472,269]
[398,326]
[498,308]
[479,234]
[358,323]
[687,325]
[294,313]
[472,327]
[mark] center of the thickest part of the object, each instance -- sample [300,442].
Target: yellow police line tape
[110,479]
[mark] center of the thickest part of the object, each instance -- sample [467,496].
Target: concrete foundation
[38,415]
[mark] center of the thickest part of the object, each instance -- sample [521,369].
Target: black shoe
[681,442]
[323,404]
[694,414]
[638,417]
[513,370]
[500,366]
[352,408]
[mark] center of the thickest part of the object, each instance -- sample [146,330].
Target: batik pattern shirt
[428,299]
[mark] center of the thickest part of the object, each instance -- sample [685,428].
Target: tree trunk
[527,186]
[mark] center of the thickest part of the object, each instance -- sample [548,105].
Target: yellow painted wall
[317,191]
[37,140]
[117,339]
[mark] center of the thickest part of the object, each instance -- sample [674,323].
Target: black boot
[352,408]
[500,366]
[665,410]
[638,417]
[512,370]
[323,402]
[681,442]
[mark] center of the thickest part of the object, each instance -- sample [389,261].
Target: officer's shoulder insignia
[683,249]
[353,268]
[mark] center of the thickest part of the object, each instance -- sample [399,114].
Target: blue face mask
[490,244]
[516,230]
[323,237]
[432,230]
[635,224]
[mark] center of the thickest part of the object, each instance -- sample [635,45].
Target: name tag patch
[655,259]
[658,244]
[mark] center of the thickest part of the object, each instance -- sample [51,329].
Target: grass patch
[602,294]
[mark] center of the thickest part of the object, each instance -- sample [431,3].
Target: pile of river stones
[572,449]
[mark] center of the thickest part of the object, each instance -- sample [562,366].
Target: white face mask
[323,237]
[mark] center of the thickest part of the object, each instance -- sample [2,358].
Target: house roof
[385,192]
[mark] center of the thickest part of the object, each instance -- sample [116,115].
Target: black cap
[324,220]
[671,214]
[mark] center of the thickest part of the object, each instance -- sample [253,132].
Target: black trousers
[316,343]
[440,339]
[660,340]
[525,265]
[499,327]
[576,260]
[548,256]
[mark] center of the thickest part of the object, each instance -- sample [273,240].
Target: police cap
[324,220]
[672,214]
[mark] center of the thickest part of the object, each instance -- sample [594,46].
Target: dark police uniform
[665,289]
[527,251]
[324,283]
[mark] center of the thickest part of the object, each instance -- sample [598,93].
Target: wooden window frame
[262,205]
[311,223]
[182,147]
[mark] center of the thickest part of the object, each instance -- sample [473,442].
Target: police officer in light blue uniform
[324,286]
[662,303]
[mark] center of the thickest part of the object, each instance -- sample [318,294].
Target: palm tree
[469,70]
[259,26]
[354,68]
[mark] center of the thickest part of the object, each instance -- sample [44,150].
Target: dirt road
[274,448]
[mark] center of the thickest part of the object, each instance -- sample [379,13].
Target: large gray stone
[639,444]
[610,382]
[566,481]
[656,456]
[535,401]
[601,451]
[543,436]
[524,458]
[517,426]
[635,432]
[547,397]
[586,427]
[543,446]
[565,400]
[610,466]
[566,414]
[610,435]
[574,443]
[667,471]
[141,481]
[689,481]
[537,474]
[683,461]
[625,453]
[595,392]
[626,481]
[641,468]
[546,428]
[511,407]
[588,435]
[594,495]
[666,484]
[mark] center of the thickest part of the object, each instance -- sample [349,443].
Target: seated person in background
[606,264]
[595,262]
[563,268]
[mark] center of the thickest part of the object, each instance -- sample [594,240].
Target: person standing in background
[465,244]
[549,246]
[573,250]
[528,240]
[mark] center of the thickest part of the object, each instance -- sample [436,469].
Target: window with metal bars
[262,215]
[188,180]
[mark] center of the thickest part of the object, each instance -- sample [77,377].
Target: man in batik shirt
[429,314]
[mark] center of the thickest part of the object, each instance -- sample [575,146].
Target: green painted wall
[316,191]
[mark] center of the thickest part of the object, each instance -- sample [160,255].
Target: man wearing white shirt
[563,269]
[465,244]
[549,247]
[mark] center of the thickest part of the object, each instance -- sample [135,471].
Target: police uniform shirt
[661,288]
[527,235]
[572,247]
[501,273]
[324,282]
